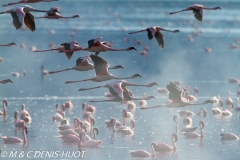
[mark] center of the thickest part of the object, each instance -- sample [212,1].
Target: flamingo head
[136,75]
[196,90]
[175,136]
[9,80]
[217,8]
[96,129]
[5,102]
[132,48]
[113,121]
[55,9]
[152,84]
[175,31]
[11,44]
[151,97]
[83,105]
[75,16]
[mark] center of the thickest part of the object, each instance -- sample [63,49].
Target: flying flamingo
[22,14]
[163,147]
[9,44]
[228,135]
[64,46]
[54,13]
[155,31]
[4,112]
[101,69]
[82,64]
[119,91]
[175,98]
[5,81]
[143,153]
[197,10]
[16,139]
[28,1]
[94,45]
[194,134]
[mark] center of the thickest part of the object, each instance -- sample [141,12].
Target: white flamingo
[22,15]
[143,153]
[88,143]
[129,130]
[101,69]
[4,112]
[194,134]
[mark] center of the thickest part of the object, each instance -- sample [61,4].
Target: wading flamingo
[22,14]
[12,140]
[64,46]
[8,45]
[238,105]
[120,128]
[25,115]
[5,81]
[4,112]
[163,147]
[54,13]
[94,45]
[101,69]
[88,143]
[155,31]
[184,129]
[194,134]
[143,153]
[228,135]
[28,1]
[129,130]
[88,108]
[18,123]
[197,10]
[82,64]
[229,101]
[175,98]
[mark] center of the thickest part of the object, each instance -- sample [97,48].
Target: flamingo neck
[174,144]
[202,133]
[210,8]
[153,150]
[4,110]
[24,136]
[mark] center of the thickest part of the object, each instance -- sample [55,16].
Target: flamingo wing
[82,61]
[159,37]
[126,94]
[93,42]
[116,90]
[18,17]
[29,22]
[67,47]
[174,92]
[197,14]
[150,36]
[99,64]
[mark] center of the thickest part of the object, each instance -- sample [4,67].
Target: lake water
[179,60]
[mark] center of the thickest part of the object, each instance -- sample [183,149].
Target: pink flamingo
[70,138]
[143,153]
[143,103]
[54,13]
[163,147]
[22,14]
[94,45]
[68,105]
[193,98]
[82,64]
[175,98]
[16,139]
[9,44]
[5,81]
[101,69]
[25,115]
[89,143]
[4,112]
[155,31]
[229,101]
[64,46]
[18,123]
[28,1]
[88,108]
[197,10]
[194,134]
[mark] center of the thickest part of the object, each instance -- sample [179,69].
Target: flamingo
[185,112]
[120,128]
[194,134]
[88,108]
[193,98]
[238,92]
[204,112]
[4,112]
[163,147]
[27,1]
[228,135]
[82,64]
[89,143]
[22,14]
[143,153]
[64,46]
[219,102]
[68,126]
[101,69]
[175,98]
[54,13]
[18,123]
[25,115]
[70,138]
[94,45]
[155,31]
[197,10]
[184,129]
[13,140]
[229,101]
[119,92]
[68,105]
[9,44]
[6,81]
[59,115]
[129,130]
[109,124]
[233,80]
[238,105]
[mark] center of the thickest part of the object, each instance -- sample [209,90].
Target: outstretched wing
[29,22]
[174,92]
[116,90]
[94,42]
[18,17]
[159,37]
[67,47]
[197,14]
[126,94]
[99,63]
[82,61]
